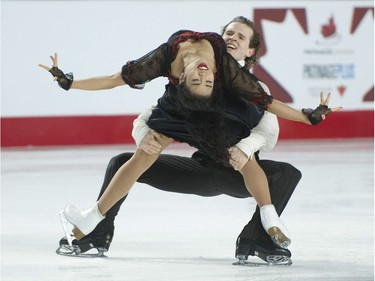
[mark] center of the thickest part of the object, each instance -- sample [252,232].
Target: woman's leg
[86,220]
[257,184]
[125,178]
[127,175]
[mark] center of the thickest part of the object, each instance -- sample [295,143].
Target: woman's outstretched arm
[99,82]
[95,83]
[308,116]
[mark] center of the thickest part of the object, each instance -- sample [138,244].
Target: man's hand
[238,158]
[150,143]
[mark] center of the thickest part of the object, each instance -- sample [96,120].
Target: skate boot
[97,242]
[263,249]
[274,227]
[84,221]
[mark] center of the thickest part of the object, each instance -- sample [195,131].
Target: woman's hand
[238,158]
[54,63]
[64,80]
[319,114]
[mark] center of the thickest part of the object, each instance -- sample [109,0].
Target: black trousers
[201,176]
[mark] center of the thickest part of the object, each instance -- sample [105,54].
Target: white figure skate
[274,227]
[84,220]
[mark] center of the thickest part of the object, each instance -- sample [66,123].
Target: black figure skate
[97,242]
[266,250]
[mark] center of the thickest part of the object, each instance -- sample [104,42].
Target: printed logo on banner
[330,37]
[329,33]
[325,50]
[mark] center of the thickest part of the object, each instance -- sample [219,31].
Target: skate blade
[272,260]
[278,237]
[74,251]
[64,224]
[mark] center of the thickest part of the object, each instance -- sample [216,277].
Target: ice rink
[166,236]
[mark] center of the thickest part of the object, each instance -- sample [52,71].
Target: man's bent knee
[117,161]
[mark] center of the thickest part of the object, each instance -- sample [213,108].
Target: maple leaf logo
[329,33]
[328,29]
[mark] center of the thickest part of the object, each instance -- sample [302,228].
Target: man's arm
[264,136]
[140,128]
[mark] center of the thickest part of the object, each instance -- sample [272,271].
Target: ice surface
[168,236]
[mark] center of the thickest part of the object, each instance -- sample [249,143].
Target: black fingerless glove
[314,115]
[65,80]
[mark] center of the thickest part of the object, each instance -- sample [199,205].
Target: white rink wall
[98,37]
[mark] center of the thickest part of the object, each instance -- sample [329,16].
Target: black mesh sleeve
[238,80]
[152,65]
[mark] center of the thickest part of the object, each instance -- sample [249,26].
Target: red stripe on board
[67,130]
[91,130]
[343,124]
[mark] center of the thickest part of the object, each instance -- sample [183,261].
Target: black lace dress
[241,114]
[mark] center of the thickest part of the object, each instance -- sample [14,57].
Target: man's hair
[254,41]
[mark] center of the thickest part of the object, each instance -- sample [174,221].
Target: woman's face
[237,36]
[199,78]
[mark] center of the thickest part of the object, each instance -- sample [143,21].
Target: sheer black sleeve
[152,65]
[238,80]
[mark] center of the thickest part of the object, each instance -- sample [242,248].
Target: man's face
[237,36]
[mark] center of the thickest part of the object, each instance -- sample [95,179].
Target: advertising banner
[318,48]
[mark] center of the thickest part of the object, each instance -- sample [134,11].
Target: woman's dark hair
[205,121]
[254,41]
[187,100]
